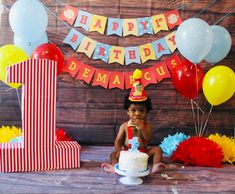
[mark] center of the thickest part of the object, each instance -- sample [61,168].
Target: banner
[121,80]
[120,27]
[121,55]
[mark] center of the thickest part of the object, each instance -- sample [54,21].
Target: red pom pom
[199,151]
[61,135]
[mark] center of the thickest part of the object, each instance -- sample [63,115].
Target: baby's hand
[131,123]
[138,123]
[117,154]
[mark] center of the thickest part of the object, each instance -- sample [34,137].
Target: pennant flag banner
[121,55]
[120,27]
[121,80]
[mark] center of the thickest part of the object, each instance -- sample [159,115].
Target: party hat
[137,93]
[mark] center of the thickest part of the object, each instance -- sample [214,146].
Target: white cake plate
[131,178]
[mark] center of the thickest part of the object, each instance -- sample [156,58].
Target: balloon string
[60,2]
[179,8]
[202,120]
[183,6]
[194,118]
[198,106]
[204,127]
[198,115]
[8,89]
[227,14]
[2,5]
[207,7]
[54,14]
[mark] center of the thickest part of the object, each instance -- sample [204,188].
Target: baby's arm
[144,129]
[120,138]
[147,132]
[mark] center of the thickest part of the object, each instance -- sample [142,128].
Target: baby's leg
[109,167]
[156,153]
[158,167]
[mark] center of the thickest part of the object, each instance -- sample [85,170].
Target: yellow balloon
[9,55]
[219,84]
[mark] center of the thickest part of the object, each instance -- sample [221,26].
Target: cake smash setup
[38,149]
[132,164]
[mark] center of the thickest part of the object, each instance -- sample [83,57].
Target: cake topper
[134,144]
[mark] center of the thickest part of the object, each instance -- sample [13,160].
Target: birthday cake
[133,161]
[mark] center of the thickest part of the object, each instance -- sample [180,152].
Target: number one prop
[39,150]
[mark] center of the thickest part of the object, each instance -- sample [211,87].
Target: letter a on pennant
[114,26]
[160,47]
[116,80]
[98,24]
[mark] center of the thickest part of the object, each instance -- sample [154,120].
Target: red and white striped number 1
[39,150]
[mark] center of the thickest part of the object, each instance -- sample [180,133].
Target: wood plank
[91,179]
[85,111]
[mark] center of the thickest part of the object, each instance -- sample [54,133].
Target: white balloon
[194,39]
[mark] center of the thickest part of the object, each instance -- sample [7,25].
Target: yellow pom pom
[7,133]
[137,74]
[227,144]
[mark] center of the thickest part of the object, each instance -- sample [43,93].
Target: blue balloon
[221,45]
[27,46]
[28,19]
[194,39]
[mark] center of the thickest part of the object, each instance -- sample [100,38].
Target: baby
[137,106]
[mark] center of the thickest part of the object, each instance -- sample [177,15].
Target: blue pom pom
[170,143]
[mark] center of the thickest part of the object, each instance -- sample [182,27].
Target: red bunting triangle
[101,78]
[116,80]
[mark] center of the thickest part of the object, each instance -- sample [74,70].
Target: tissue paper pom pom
[7,133]
[199,151]
[61,135]
[18,139]
[227,144]
[137,74]
[170,143]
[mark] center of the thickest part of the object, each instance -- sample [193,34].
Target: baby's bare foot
[158,167]
[108,167]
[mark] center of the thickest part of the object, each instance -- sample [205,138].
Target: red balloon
[187,78]
[51,52]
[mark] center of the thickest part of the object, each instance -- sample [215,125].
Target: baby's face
[137,112]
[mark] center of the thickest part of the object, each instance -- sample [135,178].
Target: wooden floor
[91,179]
